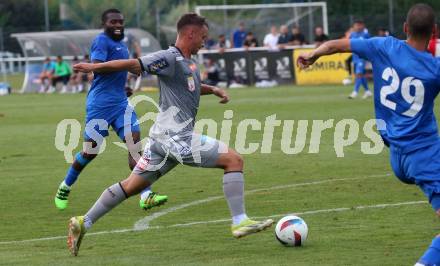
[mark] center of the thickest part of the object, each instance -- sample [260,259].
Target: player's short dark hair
[358,21]
[420,20]
[191,19]
[108,11]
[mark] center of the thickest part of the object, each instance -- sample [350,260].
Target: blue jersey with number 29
[406,82]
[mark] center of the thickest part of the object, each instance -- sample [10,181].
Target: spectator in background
[359,32]
[297,38]
[250,40]
[320,36]
[46,74]
[382,32]
[222,43]
[210,43]
[349,60]
[86,78]
[75,77]
[211,75]
[271,39]
[284,37]
[79,79]
[62,73]
[347,33]
[239,36]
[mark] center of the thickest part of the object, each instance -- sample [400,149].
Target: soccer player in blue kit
[406,82]
[359,32]
[106,106]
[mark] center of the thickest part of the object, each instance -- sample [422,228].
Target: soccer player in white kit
[172,140]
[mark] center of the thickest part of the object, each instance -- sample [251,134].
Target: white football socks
[233,188]
[145,193]
[237,219]
[87,222]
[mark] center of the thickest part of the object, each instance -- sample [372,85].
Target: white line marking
[378,206]
[312,212]
[143,224]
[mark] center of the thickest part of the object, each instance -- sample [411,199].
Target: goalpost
[224,19]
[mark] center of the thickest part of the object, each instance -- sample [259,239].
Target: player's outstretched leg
[432,254]
[62,196]
[109,199]
[75,234]
[149,199]
[233,188]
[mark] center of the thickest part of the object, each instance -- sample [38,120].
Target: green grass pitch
[31,169]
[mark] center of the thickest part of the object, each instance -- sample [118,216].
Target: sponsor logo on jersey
[157,65]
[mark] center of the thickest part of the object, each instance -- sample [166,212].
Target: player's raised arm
[131,65]
[207,89]
[327,48]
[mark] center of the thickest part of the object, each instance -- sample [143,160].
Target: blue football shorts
[359,67]
[420,167]
[122,119]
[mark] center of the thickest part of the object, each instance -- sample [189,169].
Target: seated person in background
[222,43]
[78,79]
[250,40]
[211,74]
[85,78]
[271,39]
[210,44]
[46,75]
[320,36]
[297,38]
[284,37]
[75,77]
[61,74]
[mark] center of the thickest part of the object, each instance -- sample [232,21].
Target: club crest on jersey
[193,67]
[191,84]
[157,65]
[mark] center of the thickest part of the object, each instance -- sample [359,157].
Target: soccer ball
[291,231]
[346,81]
